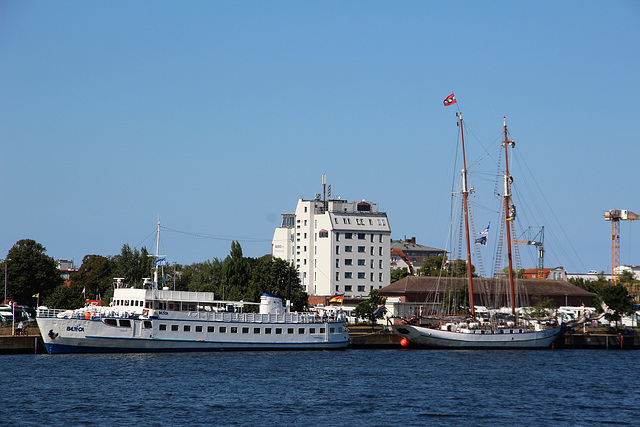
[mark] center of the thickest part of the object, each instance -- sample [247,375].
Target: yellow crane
[615,216]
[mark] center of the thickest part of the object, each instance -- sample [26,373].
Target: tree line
[33,276]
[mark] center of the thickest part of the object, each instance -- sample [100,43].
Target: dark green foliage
[133,265]
[30,271]
[398,274]
[95,276]
[366,309]
[433,267]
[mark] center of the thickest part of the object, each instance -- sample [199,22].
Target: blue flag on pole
[160,262]
[482,240]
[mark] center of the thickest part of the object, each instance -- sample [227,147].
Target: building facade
[339,247]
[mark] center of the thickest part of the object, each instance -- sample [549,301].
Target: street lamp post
[6,267]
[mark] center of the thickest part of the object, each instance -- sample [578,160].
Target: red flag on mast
[451,99]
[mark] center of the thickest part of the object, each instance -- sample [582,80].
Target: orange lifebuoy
[145,312]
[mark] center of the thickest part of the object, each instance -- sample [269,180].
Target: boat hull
[64,335]
[470,339]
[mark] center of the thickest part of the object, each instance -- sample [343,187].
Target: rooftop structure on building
[66,268]
[339,247]
[407,254]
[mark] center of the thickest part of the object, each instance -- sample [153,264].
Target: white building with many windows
[339,247]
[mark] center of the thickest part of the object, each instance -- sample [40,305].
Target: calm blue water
[351,387]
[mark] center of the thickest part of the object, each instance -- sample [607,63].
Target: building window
[380,263]
[361,262]
[348,248]
[337,263]
[348,261]
[347,288]
[361,236]
[371,277]
[360,288]
[380,251]
[337,235]
[347,235]
[362,249]
[337,250]
[371,236]
[337,276]
[379,277]
[305,211]
[337,288]
[361,275]
[348,275]
[380,238]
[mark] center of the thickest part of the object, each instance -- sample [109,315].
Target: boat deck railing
[199,315]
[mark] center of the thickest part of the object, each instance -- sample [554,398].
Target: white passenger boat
[148,320]
[161,320]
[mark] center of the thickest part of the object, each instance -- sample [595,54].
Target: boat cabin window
[125,323]
[162,327]
[211,329]
[198,328]
[256,330]
[223,329]
[187,328]
[267,331]
[126,302]
[146,324]
[278,331]
[332,330]
[234,329]
[322,330]
[174,327]
[289,330]
[111,322]
[312,330]
[301,331]
[245,330]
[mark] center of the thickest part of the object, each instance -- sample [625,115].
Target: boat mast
[509,214]
[465,196]
[155,264]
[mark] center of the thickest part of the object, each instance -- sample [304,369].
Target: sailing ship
[477,330]
[161,320]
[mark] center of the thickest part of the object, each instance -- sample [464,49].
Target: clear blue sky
[217,116]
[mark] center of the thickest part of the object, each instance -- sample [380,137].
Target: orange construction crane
[615,216]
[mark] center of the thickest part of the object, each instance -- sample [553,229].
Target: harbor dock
[366,338]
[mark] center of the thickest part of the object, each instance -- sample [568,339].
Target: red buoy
[404,342]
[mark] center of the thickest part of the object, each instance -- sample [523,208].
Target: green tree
[617,299]
[94,276]
[133,265]
[30,272]
[235,273]
[432,266]
[398,273]
[436,266]
[66,297]
[367,308]
[277,277]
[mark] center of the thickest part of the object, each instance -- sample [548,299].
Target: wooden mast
[465,195]
[509,215]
